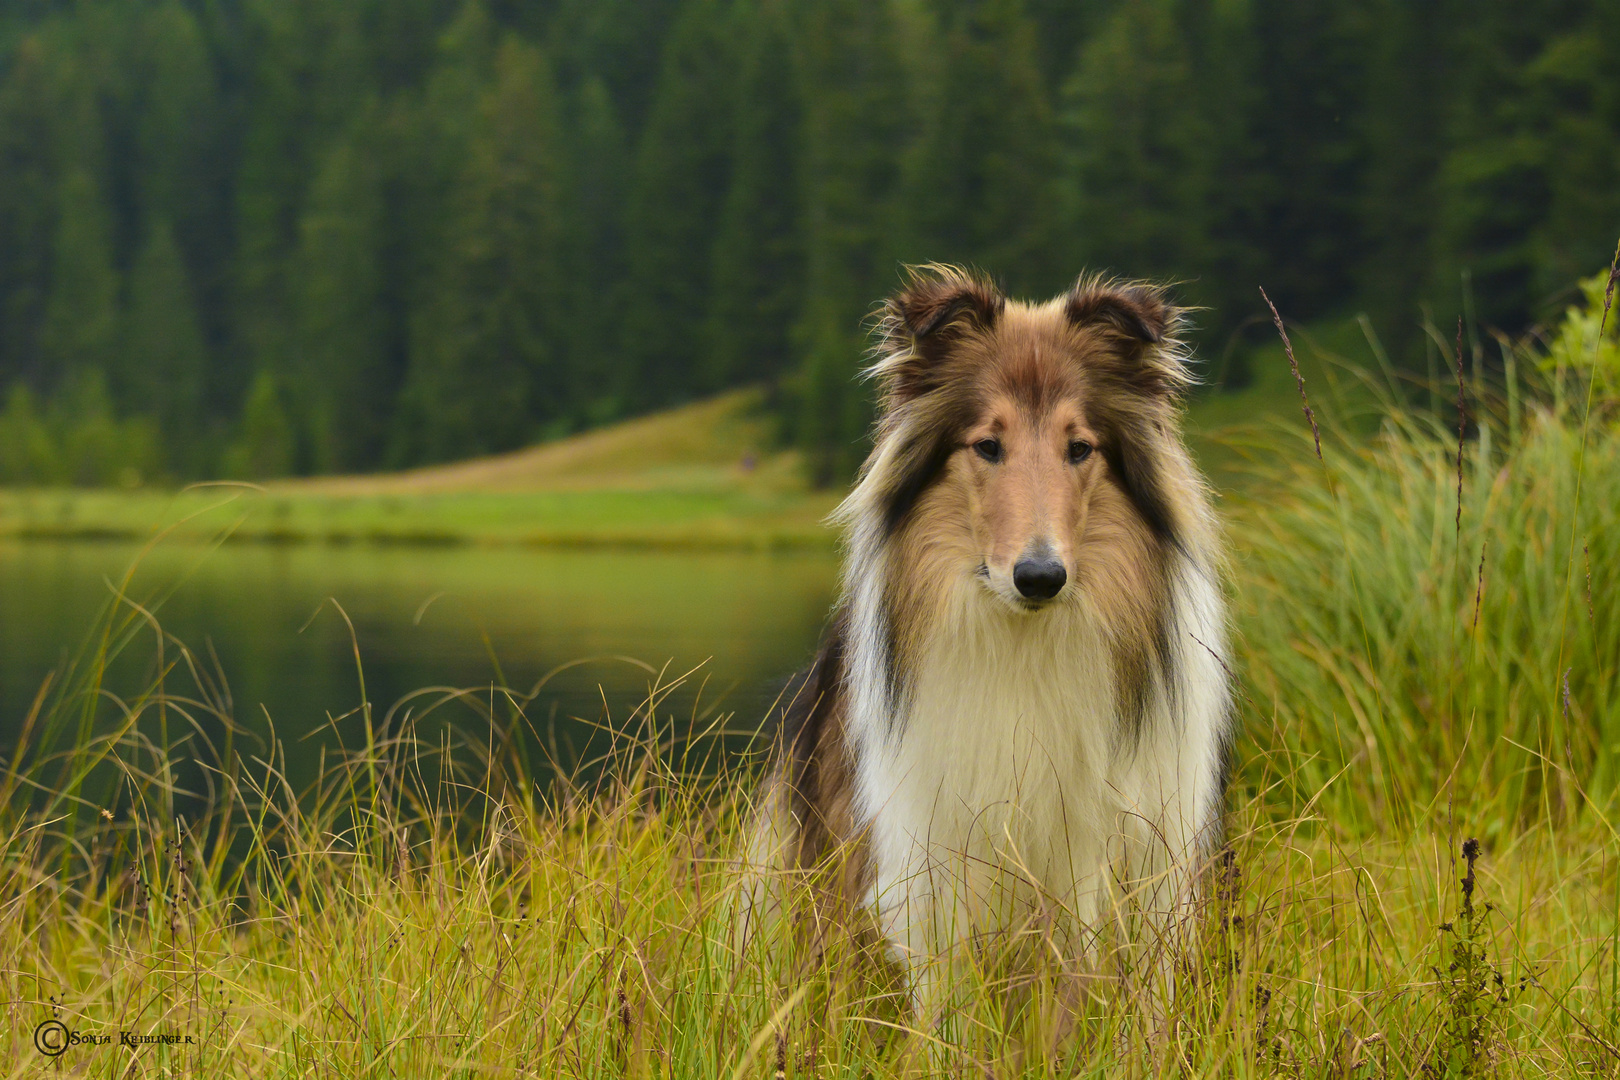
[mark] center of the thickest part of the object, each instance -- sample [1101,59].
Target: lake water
[455,617]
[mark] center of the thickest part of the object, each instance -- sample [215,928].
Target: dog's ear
[918,325]
[1143,366]
[1141,324]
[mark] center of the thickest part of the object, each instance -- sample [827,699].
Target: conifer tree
[619,42]
[307,74]
[28,453]
[1533,124]
[80,330]
[400,37]
[164,359]
[436,244]
[1158,112]
[682,166]
[1305,65]
[28,206]
[857,109]
[1402,132]
[1062,27]
[179,172]
[264,445]
[981,185]
[1138,178]
[483,365]
[1580,145]
[173,118]
[340,379]
[96,448]
[594,260]
[758,269]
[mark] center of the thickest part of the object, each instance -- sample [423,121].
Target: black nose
[1039,579]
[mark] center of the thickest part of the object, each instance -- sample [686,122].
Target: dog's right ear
[920,322]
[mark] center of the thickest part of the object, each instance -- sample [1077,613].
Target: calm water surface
[422,617]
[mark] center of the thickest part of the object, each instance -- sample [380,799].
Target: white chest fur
[1007,787]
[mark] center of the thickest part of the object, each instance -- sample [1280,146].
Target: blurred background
[631,244]
[252,238]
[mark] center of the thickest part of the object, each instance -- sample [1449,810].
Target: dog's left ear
[919,324]
[1141,324]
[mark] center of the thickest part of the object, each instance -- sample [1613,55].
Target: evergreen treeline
[252,237]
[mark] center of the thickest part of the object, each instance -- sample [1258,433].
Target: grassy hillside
[709,474]
[701,475]
[726,443]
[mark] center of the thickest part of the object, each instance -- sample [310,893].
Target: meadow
[706,475]
[1422,875]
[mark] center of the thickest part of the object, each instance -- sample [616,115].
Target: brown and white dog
[1021,706]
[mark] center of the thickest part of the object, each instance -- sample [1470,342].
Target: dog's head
[1026,444]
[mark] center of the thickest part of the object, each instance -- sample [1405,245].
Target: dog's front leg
[1160,863]
[922,907]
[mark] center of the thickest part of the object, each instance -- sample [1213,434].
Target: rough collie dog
[1020,709]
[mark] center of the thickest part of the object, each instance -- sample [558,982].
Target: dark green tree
[618,42]
[594,260]
[1577,93]
[1161,163]
[681,172]
[264,446]
[981,184]
[1062,27]
[163,361]
[306,76]
[1402,132]
[757,283]
[1306,63]
[858,115]
[484,359]
[179,167]
[95,448]
[28,453]
[441,227]
[28,206]
[339,377]
[1532,126]
[80,330]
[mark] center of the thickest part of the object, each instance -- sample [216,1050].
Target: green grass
[657,518]
[425,911]
[431,933]
[1431,635]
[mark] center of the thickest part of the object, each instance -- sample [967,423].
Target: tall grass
[1407,646]
[434,907]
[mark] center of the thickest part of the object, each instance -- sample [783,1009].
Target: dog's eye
[1078,451]
[989,449]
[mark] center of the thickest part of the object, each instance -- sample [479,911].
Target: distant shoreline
[666,521]
[771,542]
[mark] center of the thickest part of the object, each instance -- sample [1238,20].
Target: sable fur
[961,753]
